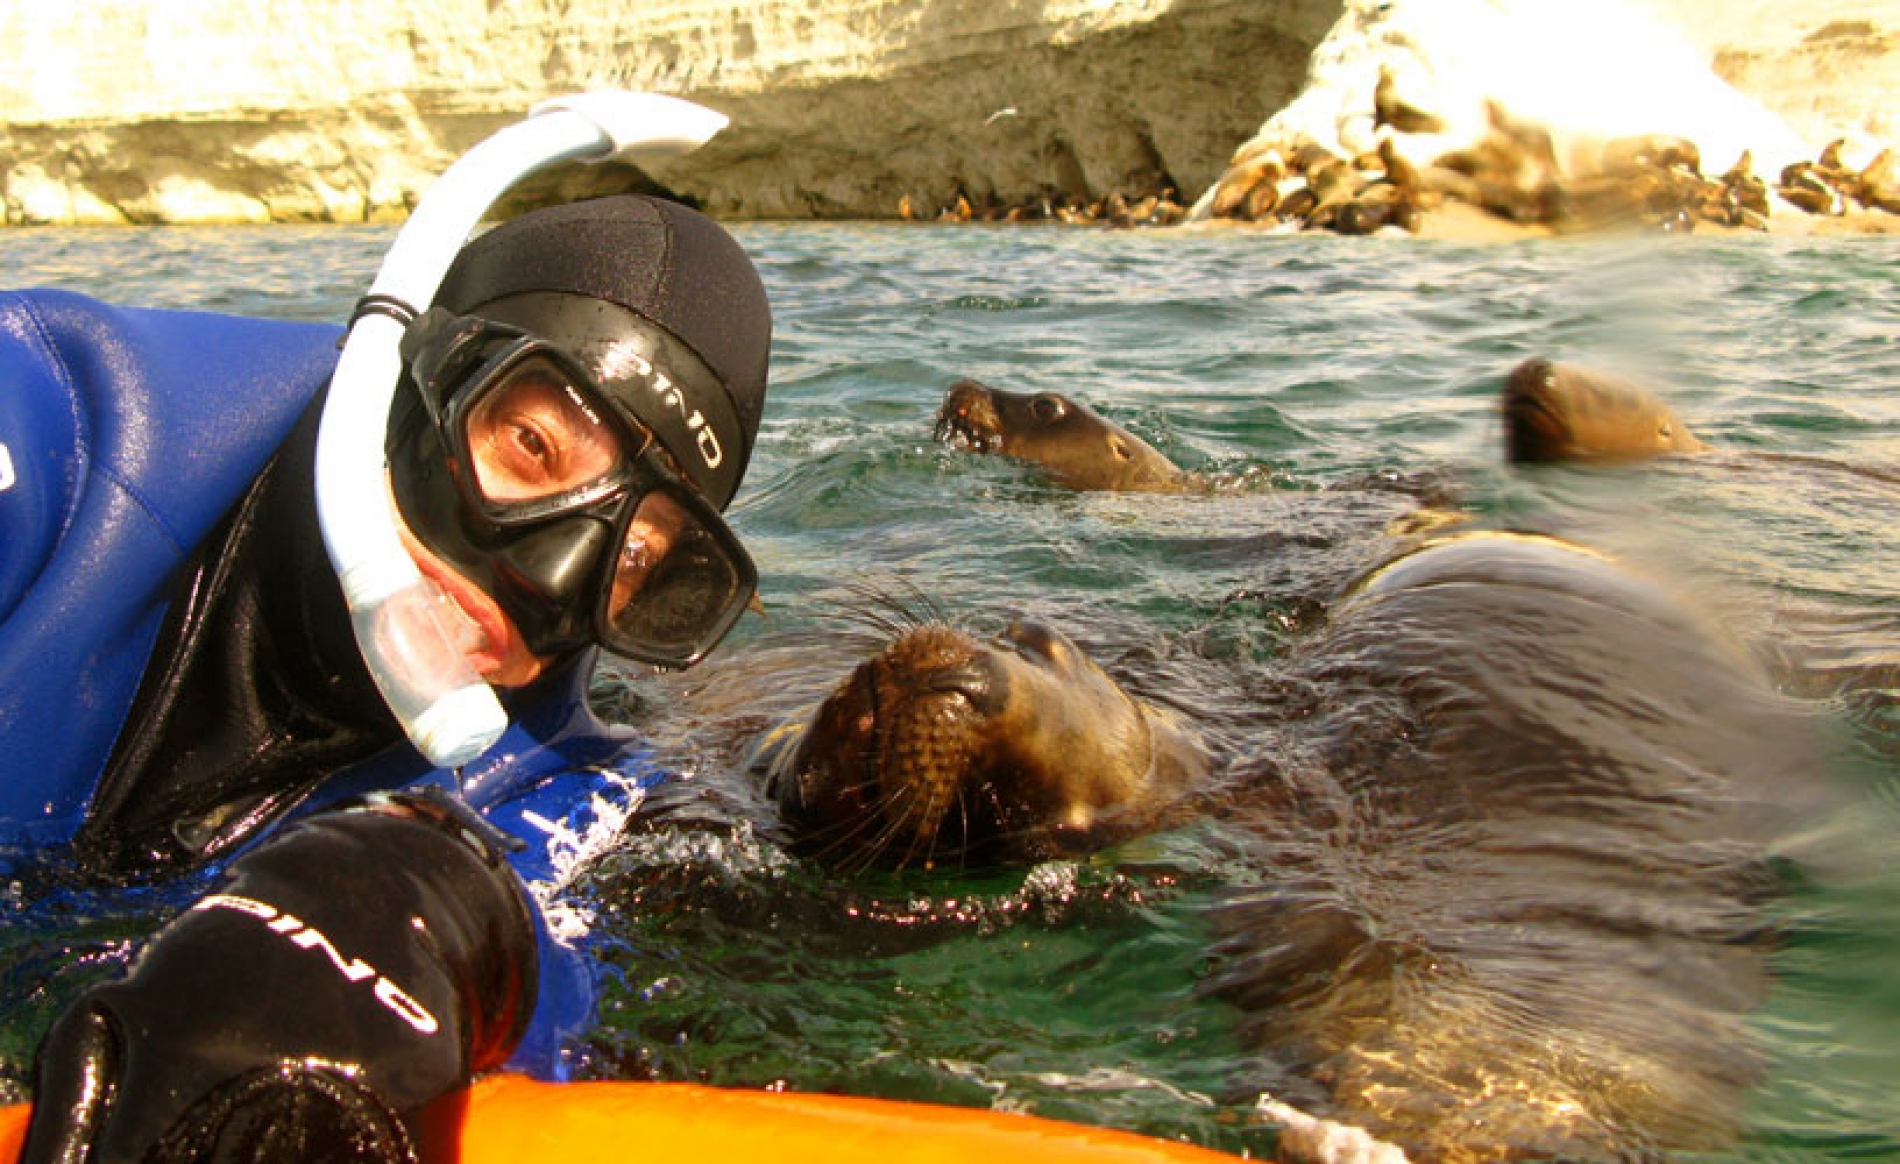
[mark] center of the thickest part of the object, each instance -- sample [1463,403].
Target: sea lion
[1250,189]
[1879,182]
[1805,185]
[1077,446]
[1643,152]
[1566,412]
[946,749]
[1388,108]
[1506,815]
[1517,860]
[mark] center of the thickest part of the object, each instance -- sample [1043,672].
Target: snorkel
[404,623]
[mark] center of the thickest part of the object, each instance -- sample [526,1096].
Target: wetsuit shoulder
[142,428]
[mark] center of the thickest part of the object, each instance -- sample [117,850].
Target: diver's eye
[1047,407]
[535,436]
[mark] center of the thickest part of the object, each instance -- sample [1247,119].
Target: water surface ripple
[1307,364]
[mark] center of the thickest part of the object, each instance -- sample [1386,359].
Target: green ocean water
[1327,380]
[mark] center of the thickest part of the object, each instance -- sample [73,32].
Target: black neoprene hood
[666,263]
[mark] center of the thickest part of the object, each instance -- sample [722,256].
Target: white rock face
[1593,71]
[1830,68]
[345,110]
[229,110]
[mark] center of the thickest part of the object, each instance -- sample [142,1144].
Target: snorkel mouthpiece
[405,625]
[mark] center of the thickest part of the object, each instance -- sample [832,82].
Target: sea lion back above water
[1078,447]
[1521,873]
[1566,412]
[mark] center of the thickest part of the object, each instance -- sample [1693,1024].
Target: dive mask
[549,493]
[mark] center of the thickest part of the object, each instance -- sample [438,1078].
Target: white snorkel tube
[403,621]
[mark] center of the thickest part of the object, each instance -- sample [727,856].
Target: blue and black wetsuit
[178,684]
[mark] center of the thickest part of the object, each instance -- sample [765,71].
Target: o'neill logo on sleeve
[307,937]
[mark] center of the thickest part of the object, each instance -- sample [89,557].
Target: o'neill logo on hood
[704,438]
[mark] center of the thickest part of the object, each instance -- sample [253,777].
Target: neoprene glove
[364,963]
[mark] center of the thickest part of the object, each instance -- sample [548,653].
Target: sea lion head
[1565,412]
[1078,447]
[946,748]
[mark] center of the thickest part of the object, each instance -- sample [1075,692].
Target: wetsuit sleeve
[366,962]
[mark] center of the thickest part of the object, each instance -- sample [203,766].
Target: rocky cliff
[222,110]
[226,111]
[1830,68]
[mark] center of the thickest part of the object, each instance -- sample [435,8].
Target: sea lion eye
[1666,432]
[1049,407]
[1035,640]
[1120,448]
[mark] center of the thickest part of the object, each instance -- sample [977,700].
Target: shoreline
[1456,222]
[1462,222]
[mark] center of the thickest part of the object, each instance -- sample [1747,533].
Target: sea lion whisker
[916,606]
[882,609]
[892,821]
[964,819]
[872,833]
[846,846]
[880,624]
[909,808]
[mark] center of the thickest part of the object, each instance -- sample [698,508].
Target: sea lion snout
[968,418]
[1533,431]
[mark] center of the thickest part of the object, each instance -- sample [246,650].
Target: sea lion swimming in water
[1566,412]
[1517,864]
[949,749]
[1077,446]
[1507,817]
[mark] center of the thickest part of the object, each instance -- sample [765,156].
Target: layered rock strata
[223,111]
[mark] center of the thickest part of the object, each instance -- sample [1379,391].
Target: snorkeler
[180,691]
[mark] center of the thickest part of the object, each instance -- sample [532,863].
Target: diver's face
[541,500]
[527,441]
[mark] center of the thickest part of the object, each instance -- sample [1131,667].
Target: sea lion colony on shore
[1653,182]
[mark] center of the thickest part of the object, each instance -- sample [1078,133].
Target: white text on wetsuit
[306,937]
